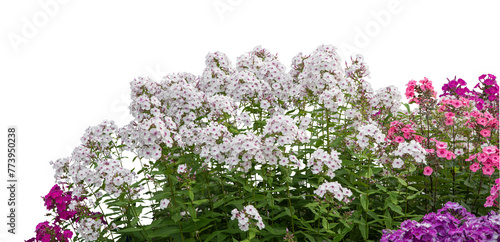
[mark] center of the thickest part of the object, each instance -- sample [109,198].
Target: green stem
[175,205]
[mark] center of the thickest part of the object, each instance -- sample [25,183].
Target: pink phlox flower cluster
[320,161]
[483,121]
[416,92]
[46,232]
[59,200]
[247,217]
[442,151]
[335,190]
[399,133]
[488,96]
[488,159]
[387,98]
[492,200]
[456,88]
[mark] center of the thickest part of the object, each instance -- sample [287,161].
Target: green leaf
[176,217]
[309,237]
[363,228]
[403,182]
[364,201]
[191,195]
[396,208]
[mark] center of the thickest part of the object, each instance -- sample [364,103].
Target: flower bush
[252,152]
[450,223]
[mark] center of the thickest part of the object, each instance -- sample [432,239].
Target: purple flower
[462,82]
[479,105]
[451,223]
[453,84]
[445,87]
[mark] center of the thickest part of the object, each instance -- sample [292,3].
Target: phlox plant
[253,152]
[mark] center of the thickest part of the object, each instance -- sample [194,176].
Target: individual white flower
[397,163]
[182,168]
[164,203]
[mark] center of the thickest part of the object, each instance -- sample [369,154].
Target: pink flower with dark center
[449,115]
[482,157]
[441,145]
[428,171]
[456,103]
[448,121]
[488,170]
[442,153]
[450,155]
[495,158]
[399,139]
[405,130]
[482,121]
[474,167]
[485,133]
[418,138]
[490,149]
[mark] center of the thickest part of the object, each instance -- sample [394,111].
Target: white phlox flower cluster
[244,86]
[304,122]
[214,139]
[369,130]
[286,130]
[332,98]
[219,105]
[319,71]
[244,119]
[265,66]
[180,96]
[248,216]
[89,228]
[320,161]
[145,137]
[99,137]
[414,149]
[145,103]
[358,68]
[387,98]
[333,189]
[114,176]
[61,167]
[215,77]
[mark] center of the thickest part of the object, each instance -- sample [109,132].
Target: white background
[68,66]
